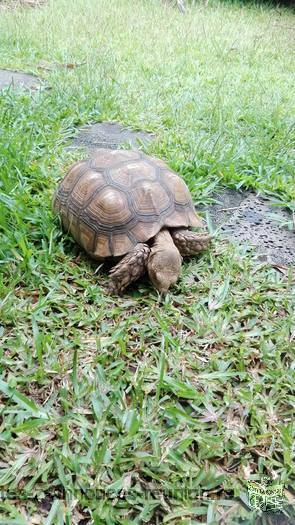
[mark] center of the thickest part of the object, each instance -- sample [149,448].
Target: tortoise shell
[118,198]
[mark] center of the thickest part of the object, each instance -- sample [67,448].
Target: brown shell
[117,198]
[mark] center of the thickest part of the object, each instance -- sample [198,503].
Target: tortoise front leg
[129,269]
[189,242]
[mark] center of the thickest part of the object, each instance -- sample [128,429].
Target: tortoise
[124,203]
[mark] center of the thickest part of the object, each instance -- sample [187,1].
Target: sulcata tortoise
[124,203]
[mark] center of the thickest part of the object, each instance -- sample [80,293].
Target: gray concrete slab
[246,217]
[109,135]
[17,78]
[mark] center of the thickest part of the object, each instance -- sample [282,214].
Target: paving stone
[17,78]
[109,135]
[249,218]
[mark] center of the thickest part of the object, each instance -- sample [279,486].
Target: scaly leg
[129,269]
[189,242]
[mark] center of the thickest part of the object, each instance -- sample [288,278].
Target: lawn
[134,410]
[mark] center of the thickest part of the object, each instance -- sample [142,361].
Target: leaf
[10,203]
[54,511]
[195,511]
[74,374]
[179,388]
[30,424]
[217,296]
[161,374]
[61,473]
[73,65]
[131,422]
[8,474]
[22,400]
[17,521]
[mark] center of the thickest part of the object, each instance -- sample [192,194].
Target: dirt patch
[18,79]
[250,218]
[110,135]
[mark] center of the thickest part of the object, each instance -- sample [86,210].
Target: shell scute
[132,173]
[105,158]
[150,198]
[177,187]
[118,198]
[110,207]
[86,186]
[76,171]
[144,230]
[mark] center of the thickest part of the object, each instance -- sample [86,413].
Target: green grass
[111,406]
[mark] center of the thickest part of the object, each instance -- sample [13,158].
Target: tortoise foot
[129,269]
[189,242]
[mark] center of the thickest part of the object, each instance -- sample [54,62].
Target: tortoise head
[164,263]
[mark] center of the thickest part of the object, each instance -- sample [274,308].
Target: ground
[132,410]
